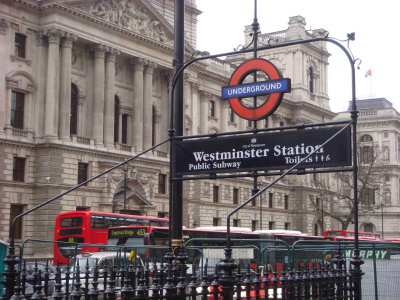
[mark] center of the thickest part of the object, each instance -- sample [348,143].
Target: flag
[368,73]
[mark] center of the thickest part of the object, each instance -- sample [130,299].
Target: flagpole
[370,86]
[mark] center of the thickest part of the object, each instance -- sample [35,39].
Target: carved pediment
[129,14]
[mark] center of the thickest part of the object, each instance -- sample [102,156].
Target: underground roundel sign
[274,87]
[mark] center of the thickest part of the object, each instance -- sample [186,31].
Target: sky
[377,43]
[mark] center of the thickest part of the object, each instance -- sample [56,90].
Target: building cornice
[312,108]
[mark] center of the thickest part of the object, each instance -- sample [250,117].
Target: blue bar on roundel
[256,89]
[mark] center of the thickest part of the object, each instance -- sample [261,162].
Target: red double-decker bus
[90,227]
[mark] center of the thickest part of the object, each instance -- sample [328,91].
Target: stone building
[85,84]
[378,136]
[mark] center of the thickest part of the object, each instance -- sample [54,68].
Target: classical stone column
[109,98]
[65,86]
[138,67]
[148,104]
[195,107]
[204,102]
[224,116]
[40,93]
[53,61]
[156,129]
[165,107]
[98,94]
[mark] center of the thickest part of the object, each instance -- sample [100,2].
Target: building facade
[85,85]
[378,136]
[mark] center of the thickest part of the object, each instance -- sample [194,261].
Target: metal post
[382,218]
[356,261]
[125,186]
[256,27]
[177,126]
[322,215]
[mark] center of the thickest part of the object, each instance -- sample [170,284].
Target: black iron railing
[323,280]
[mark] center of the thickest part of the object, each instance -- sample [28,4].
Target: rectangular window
[19,169]
[20,45]
[236,223]
[286,202]
[231,116]
[215,194]
[270,200]
[235,196]
[254,225]
[17,109]
[212,112]
[162,183]
[15,210]
[216,221]
[161,214]
[271,225]
[83,169]
[287,226]
[82,208]
[73,117]
[124,137]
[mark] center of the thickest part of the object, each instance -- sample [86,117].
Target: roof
[370,104]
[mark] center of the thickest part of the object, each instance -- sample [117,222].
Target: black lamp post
[382,218]
[125,185]
[322,215]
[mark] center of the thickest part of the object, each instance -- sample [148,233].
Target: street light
[382,218]
[322,215]
[124,177]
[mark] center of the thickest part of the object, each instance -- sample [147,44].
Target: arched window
[366,138]
[311,79]
[367,154]
[73,125]
[368,227]
[116,119]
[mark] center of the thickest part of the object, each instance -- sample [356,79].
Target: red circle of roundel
[274,99]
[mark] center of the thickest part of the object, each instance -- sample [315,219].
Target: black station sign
[266,151]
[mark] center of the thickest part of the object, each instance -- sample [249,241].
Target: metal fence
[304,270]
[329,280]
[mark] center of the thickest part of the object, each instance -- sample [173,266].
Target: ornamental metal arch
[227,264]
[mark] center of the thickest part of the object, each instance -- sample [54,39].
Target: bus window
[97,222]
[71,222]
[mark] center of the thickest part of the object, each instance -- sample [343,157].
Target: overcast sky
[377,44]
